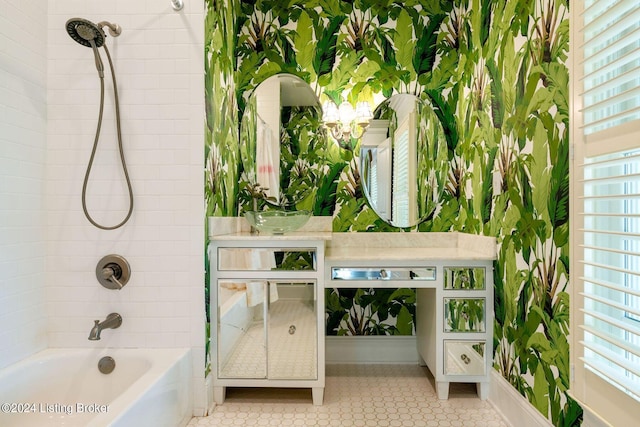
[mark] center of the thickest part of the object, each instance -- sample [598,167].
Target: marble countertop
[293,236]
[411,246]
[366,246]
[408,254]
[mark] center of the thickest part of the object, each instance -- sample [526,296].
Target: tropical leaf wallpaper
[495,74]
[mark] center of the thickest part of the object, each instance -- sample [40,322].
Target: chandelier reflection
[344,122]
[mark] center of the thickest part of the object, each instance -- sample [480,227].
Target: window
[605,257]
[403,200]
[611,277]
[611,52]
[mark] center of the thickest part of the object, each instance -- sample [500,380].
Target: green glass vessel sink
[277,222]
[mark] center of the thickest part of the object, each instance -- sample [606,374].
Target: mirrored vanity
[267,308]
[453,276]
[268,311]
[267,290]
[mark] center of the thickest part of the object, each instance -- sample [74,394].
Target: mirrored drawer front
[266,259]
[464,314]
[464,358]
[392,273]
[464,278]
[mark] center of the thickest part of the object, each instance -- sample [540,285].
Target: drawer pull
[465,359]
[292,329]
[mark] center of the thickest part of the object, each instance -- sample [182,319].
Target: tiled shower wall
[23,128]
[159,67]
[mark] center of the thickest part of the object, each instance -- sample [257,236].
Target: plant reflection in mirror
[367,311]
[255,195]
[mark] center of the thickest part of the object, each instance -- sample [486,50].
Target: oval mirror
[282,141]
[403,160]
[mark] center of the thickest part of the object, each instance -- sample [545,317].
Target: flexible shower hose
[95,147]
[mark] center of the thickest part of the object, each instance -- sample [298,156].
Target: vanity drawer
[464,358]
[383,273]
[464,314]
[465,278]
[267,259]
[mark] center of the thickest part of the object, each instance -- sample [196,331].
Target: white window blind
[606,199]
[400,182]
[611,51]
[373,179]
[611,257]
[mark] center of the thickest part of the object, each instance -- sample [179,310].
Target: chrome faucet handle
[108,273]
[113,272]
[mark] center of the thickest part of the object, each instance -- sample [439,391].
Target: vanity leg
[219,394]
[483,390]
[318,395]
[442,390]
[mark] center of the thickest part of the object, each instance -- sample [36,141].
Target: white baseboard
[372,349]
[210,404]
[512,406]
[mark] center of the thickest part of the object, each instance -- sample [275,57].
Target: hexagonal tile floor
[358,395]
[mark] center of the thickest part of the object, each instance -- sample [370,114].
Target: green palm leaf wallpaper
[495,74]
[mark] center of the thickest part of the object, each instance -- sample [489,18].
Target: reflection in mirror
[464,314]
[403,160]
[267,329]
[292,333]
[280,135]
[241,332]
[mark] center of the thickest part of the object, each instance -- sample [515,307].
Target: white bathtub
[63,387]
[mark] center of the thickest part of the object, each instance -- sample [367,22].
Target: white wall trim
[371,349]
[512,406]
[591,419]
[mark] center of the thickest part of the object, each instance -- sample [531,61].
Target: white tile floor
[358,395]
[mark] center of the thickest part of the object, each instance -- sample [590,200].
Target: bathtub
[63,387]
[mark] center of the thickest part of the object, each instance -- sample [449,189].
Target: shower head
[85,32]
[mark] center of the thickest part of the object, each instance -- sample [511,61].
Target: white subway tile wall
[158,60]
[23,137]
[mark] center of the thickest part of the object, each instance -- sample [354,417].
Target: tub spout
[113,321]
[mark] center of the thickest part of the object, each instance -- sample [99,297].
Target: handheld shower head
[91,35]
[84,32]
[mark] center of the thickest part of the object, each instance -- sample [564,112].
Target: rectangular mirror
[266,259]
[293,332]
[464,278]
[464,314]
[241,333]
[464,358]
